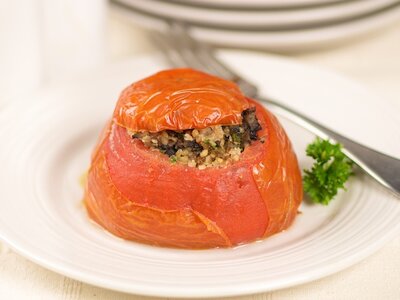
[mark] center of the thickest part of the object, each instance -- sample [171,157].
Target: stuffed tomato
[188,161]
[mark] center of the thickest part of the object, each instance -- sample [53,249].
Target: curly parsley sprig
[329,173]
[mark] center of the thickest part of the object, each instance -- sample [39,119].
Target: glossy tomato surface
[179,99]
[138,194]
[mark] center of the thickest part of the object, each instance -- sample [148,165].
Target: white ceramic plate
[47,139]
[265,19]
[280,41]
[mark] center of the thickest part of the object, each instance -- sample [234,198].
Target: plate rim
[286,41]
[257,3]
[257,20]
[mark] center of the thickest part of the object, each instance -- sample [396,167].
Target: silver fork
[183,51]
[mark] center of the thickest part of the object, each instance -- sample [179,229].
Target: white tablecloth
[374,62]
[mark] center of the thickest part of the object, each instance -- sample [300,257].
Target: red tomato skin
[179,99]
[133,190]
[138,194]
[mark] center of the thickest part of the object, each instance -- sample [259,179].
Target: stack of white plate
[277,25]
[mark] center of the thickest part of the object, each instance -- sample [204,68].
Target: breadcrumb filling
[213,146]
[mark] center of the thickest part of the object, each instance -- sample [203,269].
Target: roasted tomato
[138,194]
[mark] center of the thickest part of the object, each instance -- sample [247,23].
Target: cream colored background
[374,62]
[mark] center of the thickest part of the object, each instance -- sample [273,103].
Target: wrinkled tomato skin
[138,194]
[179,99]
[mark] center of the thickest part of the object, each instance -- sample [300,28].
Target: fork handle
[383,168]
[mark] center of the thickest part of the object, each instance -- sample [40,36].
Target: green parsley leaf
[210,143]
[173,159]
[329,173]
[237,139]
